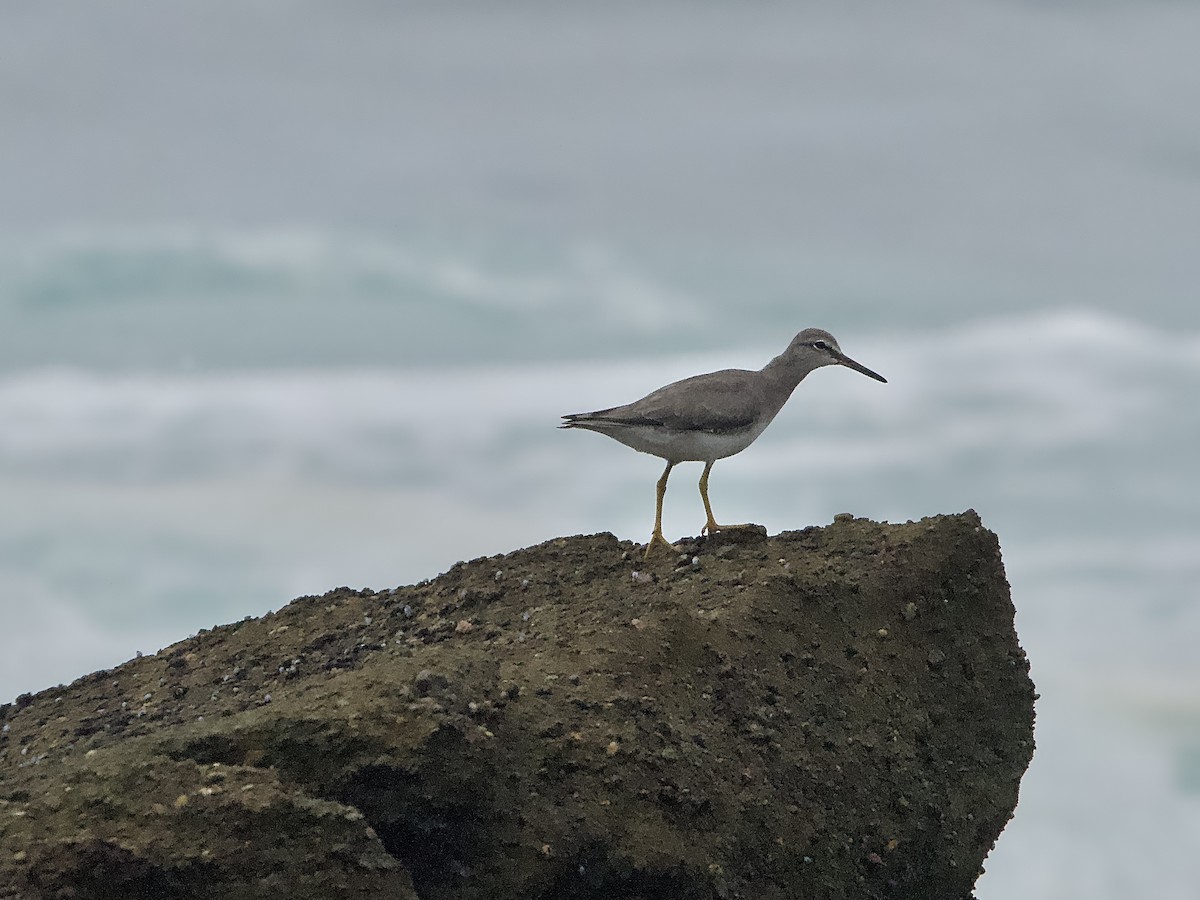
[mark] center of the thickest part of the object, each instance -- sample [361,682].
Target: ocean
[308,318]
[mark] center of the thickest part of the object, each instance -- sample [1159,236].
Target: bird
[709,417]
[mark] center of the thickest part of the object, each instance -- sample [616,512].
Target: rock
[752,736]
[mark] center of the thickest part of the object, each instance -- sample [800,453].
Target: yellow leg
[712,525]
[657,539]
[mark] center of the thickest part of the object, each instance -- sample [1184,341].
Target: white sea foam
[1040,385]
[185,298]
[309,259]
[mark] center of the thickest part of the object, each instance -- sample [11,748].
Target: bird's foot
[658,542]
[712,527]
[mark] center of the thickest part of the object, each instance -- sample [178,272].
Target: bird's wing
[717,402]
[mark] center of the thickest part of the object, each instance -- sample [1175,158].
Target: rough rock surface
[838,712]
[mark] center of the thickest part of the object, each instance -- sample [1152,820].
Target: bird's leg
[712,526]
[657,539]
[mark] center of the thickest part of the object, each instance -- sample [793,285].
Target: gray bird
[708,417]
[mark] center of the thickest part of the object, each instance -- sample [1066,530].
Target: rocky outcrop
[838,712]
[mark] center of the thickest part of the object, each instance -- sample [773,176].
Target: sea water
[286,317]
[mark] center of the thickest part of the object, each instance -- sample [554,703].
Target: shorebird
[709,417]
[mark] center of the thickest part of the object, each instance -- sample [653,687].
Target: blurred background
[292,295]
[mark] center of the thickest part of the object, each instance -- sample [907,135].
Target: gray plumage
[709,417]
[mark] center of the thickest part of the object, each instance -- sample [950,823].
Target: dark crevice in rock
[96,869]
[437,836]
[596,872]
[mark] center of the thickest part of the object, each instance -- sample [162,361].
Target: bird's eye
[820,345]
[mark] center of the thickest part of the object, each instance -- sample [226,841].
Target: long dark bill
[859,367]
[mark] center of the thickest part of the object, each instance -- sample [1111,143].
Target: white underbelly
[685,446]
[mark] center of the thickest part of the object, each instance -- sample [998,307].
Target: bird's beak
[859,367]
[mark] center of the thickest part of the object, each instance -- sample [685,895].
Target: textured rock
[839,712]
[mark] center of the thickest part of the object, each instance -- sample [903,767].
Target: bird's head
[815,347]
